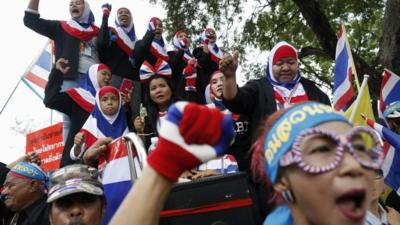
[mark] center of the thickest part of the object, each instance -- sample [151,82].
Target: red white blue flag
[391,165]
[115,176]
[390,90]
[37,74]
[343,92]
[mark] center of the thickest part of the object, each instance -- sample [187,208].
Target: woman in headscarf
[152,46]
[282,86]
[208,55]
[107,120]
[183,66]
[74,40]
[78,102]
[106,123]
[116,47]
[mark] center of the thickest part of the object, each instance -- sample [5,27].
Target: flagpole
[9,97]
[358,99]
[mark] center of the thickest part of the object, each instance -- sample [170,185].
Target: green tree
[310,25]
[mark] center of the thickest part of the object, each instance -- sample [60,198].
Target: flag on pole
[36,76]
[115,176]
[362,105]
[391,147]
[390,91]
[344,71]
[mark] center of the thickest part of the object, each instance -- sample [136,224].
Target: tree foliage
[309,25]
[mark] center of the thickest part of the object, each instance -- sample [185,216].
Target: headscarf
[82,28]
[30,171]
[216,53]
[161,68]
[125,36]
[100,125]
[281,137]
[285,92]
[157,47]
[187,55]
[84,95]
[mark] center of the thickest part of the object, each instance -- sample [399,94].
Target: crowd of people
[307,163]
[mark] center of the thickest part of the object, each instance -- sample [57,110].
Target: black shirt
[34,214]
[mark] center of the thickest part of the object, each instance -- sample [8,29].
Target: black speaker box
[227,199]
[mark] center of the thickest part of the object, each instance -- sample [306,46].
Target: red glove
[190,135]
[106,9]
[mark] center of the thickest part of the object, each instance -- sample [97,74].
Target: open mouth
[352,204]
[123,19]
[75,11]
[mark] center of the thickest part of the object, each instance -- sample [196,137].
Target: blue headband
[285,130]
[30,170]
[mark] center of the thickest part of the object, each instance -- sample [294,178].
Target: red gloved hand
[106,9]
[190,135]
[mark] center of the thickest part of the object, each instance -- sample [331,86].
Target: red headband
[108,89]
[103,67]
[179,32]
[283,52]
[153,19]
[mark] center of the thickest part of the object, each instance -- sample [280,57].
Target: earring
[288,196]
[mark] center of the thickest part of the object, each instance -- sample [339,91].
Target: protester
[282,86]
[392,116]
[311,147]
[77,103]
[74,40]
[208,56]
[160,93]
[31,157]
[108,120]
[106,123]
[116,48]
[183,66]
[151,51]
[76,196]
[240,148]
[152,46]
[24,194]
[378,214]
[191,135]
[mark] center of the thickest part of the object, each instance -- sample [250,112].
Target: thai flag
[391,165]
[343,91]
[115,176]
[38,72]
[390,90]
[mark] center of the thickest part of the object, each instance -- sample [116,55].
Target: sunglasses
[362,143]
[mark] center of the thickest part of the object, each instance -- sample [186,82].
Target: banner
[48,144]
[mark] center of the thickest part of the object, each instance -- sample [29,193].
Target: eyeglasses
[324,150]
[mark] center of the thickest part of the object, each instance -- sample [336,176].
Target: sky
[19,46]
